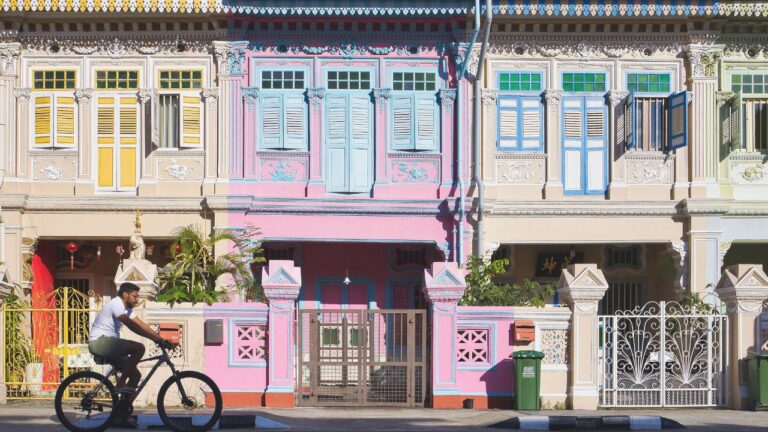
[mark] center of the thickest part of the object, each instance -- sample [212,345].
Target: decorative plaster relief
[649,168]
[283,170]
[53,166]
[755,173]
[414,171]
[520,169]
[179,168]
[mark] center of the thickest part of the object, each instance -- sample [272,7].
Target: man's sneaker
[125,423]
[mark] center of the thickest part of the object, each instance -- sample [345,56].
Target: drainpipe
[477,150]
[459,251]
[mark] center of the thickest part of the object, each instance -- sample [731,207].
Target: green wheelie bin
[757,371]
[527,380]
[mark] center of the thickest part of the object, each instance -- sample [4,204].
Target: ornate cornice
[345,211]
[230,57]
[514,45]
[520,155]
[348,48]
[648,155]
[111,47]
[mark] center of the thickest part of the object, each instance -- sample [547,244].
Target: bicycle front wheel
[189,402]
[85,402]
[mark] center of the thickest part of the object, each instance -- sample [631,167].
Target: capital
[9,58]
[382,95]
[144,95]
[703,59]
[489,96]
[553,97]
[22,94]
[83,95]
[250,95]
[616,97]
[211,94]
[315,95]
[723,97]
[447,97]
[230,57]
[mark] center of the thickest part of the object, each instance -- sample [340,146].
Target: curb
[559,423]
[247,421]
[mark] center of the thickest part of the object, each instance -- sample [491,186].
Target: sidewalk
[41,417]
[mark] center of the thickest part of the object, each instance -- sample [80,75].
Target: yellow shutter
[191,122]
[105,140]
[128,141]
[65,121]
[43,121]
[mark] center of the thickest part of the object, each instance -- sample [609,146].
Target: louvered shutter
[426,122]
[105,140]
[678,120]
[65,121]
[630,120]
[596,144]
[361,144]
[271,107]
[737,121]
[43,120]
[128,134]
[191,121]
[532,112]
[338,159]
[573,142]
[295,125]
[402,122]
[508,118]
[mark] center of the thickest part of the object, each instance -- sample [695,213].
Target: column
[704,248]
[282,283]
[582,286]
[489,98]
[704,122]
[230,57]
[444,286]
[447,132]
[743,288]
[21,142]
[147,179]
[9,59]
[617,183]
[250,108]
[316,186]
[84,184]
[553,188]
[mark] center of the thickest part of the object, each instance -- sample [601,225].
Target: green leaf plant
[484,290]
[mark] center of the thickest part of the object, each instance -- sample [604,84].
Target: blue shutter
[596,145]
[573,133]
[336,133]
[531,116]
[630,120]
[270,115]
[402,122]
[508,122]
[361,143]
[294,122]
[678,120]
[426,133]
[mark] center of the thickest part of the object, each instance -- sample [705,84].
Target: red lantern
[71,248]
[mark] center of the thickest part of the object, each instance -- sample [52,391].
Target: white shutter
[426,122]
[295,114]
[532,132]
[271,120]
[402,122]
[508,122]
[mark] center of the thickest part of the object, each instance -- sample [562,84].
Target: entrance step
[587,423]
[247,421]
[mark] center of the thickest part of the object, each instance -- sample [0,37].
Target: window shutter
[105,140]
[271,130]
[508,122]
[361,148]
[191,121]
[532,130]
[573,143]
[737,121]
[43,121]
[295,115]
[128,132]
[630,120]
[596,145]
[426,122]
[678,120]
[65,121]
[338,160]
[402,123]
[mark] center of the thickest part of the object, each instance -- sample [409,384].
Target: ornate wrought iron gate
[663,355]
[362,357]
[46,343]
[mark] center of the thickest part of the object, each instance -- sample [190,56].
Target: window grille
[520,81]
[349,80]
[54,80]
[282,80]
[413,81]
[648,82]
[472,346]
[181,79]
[117,80]
[584,82]
[250,342]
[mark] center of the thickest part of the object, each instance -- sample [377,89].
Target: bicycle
[87,401]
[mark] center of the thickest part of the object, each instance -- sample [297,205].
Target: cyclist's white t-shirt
[106,323]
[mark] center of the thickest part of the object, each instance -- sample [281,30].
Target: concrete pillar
[282,282]
[743,288]
[444,286]
[553,188]
[582,286]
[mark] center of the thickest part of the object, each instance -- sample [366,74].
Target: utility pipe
[477,148]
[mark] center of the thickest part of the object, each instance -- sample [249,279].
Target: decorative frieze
[520,168]
[414,171]
[283,170]
[649,167]
[179,166]
[112,47]
[582,47]
[53,166]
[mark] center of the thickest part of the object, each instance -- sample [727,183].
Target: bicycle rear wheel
[85,402]
[189,402]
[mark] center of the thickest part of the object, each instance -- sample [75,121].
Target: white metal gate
[663,355]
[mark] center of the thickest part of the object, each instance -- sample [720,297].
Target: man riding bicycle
[124,354]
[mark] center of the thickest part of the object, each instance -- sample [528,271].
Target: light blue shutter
[596,144]
[402,122]
[426,122]
[361,143]
[270,108]
[336,170]
[532,130]
[630,120]
[678,120]
[508,122]
[295,122]
[573,143]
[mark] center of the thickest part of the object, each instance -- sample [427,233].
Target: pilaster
[743,288]
[704,248]
[21,144]
[9,63]
[447,104]
[281,283]
[212,140]
[581,287]
[230,58]
[489,125]
[250,110]
[316,187]
[84,184]
[617,183]
[553,188]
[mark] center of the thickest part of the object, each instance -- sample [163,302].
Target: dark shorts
[114,349]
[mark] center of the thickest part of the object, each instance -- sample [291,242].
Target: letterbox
[213,332]
[170,332]
[523,331]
